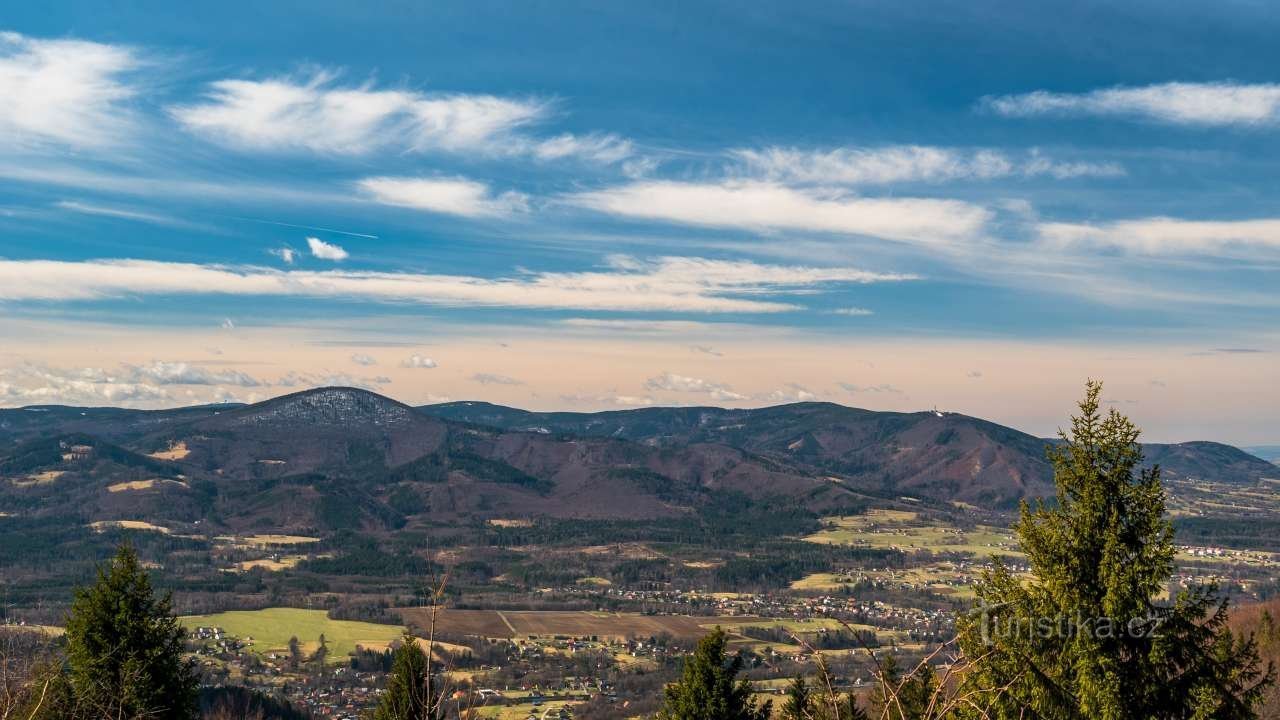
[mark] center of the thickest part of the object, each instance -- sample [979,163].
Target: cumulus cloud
[793,392]
[31,384]
[287,254]
[672,382]
[610,399]
[773,206]
[682,284]
[65,92]
[317,114]
[326,251]
[1180,103]
[908,163]
[495,379]
[363,359]
[159,372]
[450,196]
[1166,235]
[418,361]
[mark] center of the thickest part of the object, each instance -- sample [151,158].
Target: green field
[906,531]
[270,630]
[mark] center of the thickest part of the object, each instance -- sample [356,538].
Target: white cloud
[907,163]
[610,399]
[180,373]
[882,388]
[1181,103]
[119,213]
[672,382]
[852,311]
[315,114]
[451,196]
[605,149]
[495,379]
[792,393]
[286,253]
[1166,235]
[66,92]
[674,284]
[326,251]
[766,205]
[363,359]
[418,361]
[30,384]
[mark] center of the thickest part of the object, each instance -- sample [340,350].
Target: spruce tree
[899,697]
[1085,636]
[124,648]
[798,705]
[410,693]
[708,688]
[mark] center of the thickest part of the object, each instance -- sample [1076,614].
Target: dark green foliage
[798,705]
[239,702]
[44,452]
[124,649]
[482,468]
[372,562]
[708,688]
[406,500]
[1085,638]
[903,697]
[411,693]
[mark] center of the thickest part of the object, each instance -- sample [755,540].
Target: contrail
[306,227]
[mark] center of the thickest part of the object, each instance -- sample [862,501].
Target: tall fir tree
[124,649]
[709,689]
[900,697]
[1084,636]
[411,693]
[799,703]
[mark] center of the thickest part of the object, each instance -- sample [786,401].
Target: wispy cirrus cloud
[680,284]
[907,164]
[121,213]
[604,148]
[1179,103]
[69,93]
[485,378]
[450,196]
[768,205]
[1166,235]
[317,114]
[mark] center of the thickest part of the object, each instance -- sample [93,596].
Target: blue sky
[693,203]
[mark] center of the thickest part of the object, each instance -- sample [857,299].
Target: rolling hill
[325,460]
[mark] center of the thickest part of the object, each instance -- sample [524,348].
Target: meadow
[271,629]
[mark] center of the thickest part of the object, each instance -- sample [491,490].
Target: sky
[580,206]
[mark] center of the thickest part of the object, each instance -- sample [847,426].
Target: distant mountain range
[333,458]
[1270,453]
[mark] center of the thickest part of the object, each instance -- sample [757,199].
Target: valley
[576,555]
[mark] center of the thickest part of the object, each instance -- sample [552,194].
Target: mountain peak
[327,407]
